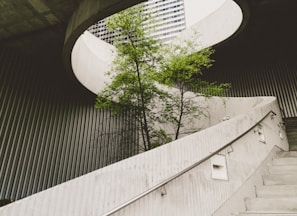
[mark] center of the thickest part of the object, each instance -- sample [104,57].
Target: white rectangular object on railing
[219,167]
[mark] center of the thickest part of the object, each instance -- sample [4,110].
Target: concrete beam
[88,12]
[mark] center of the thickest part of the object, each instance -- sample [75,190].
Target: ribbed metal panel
[278,80]
[291,129]
[49,129]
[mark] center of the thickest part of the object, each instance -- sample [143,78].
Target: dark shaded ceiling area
[268,37]
[269,34]
[19,17]
[34,25]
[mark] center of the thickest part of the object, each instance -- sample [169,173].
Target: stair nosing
[268,212]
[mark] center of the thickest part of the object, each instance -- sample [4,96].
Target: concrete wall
[216,27]
[193,193]
[196,10]
[214,110]
[91,59]
[236,203]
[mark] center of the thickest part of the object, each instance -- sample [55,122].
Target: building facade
[169,18]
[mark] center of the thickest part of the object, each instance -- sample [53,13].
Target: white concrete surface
[91,57]
[196,10]
[277,191]
[217,26]
[271,205]
[236,203]
[193,193]
[285,161]
[288,179]
[274,196]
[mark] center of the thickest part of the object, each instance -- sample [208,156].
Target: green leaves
[184,64]
[140,63]
[133,73]
[182,69]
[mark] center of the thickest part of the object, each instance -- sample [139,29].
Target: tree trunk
[181,112]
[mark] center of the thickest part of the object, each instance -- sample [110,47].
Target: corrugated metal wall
[291,129]
[278,80]
[49,129]
[193,193]
[50,132]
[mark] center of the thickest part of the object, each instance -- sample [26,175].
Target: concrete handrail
[104,190]
[87,13]
[164,182]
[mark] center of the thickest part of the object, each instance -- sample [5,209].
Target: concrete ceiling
[269,30]
[30,25]
[19,17]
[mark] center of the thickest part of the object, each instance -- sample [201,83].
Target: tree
[132,73]
[140,64]
[182,70]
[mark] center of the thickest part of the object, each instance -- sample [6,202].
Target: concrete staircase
[278,195]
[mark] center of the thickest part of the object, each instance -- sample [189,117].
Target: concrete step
[288,179]
[285,161]
[283,169]
[278,196]
[271,204]
[282,154]
[276,191]
[257,213]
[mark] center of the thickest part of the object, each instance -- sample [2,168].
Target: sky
[195,10]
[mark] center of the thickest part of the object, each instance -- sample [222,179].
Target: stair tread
[284,175]
[285,161]
[276,191]
[272,198]
[266,213]
[278,195]
[284,154]
[283,169]
[284,179]
[272,204]
[283,165]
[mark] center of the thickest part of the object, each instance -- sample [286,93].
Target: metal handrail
[164,182]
